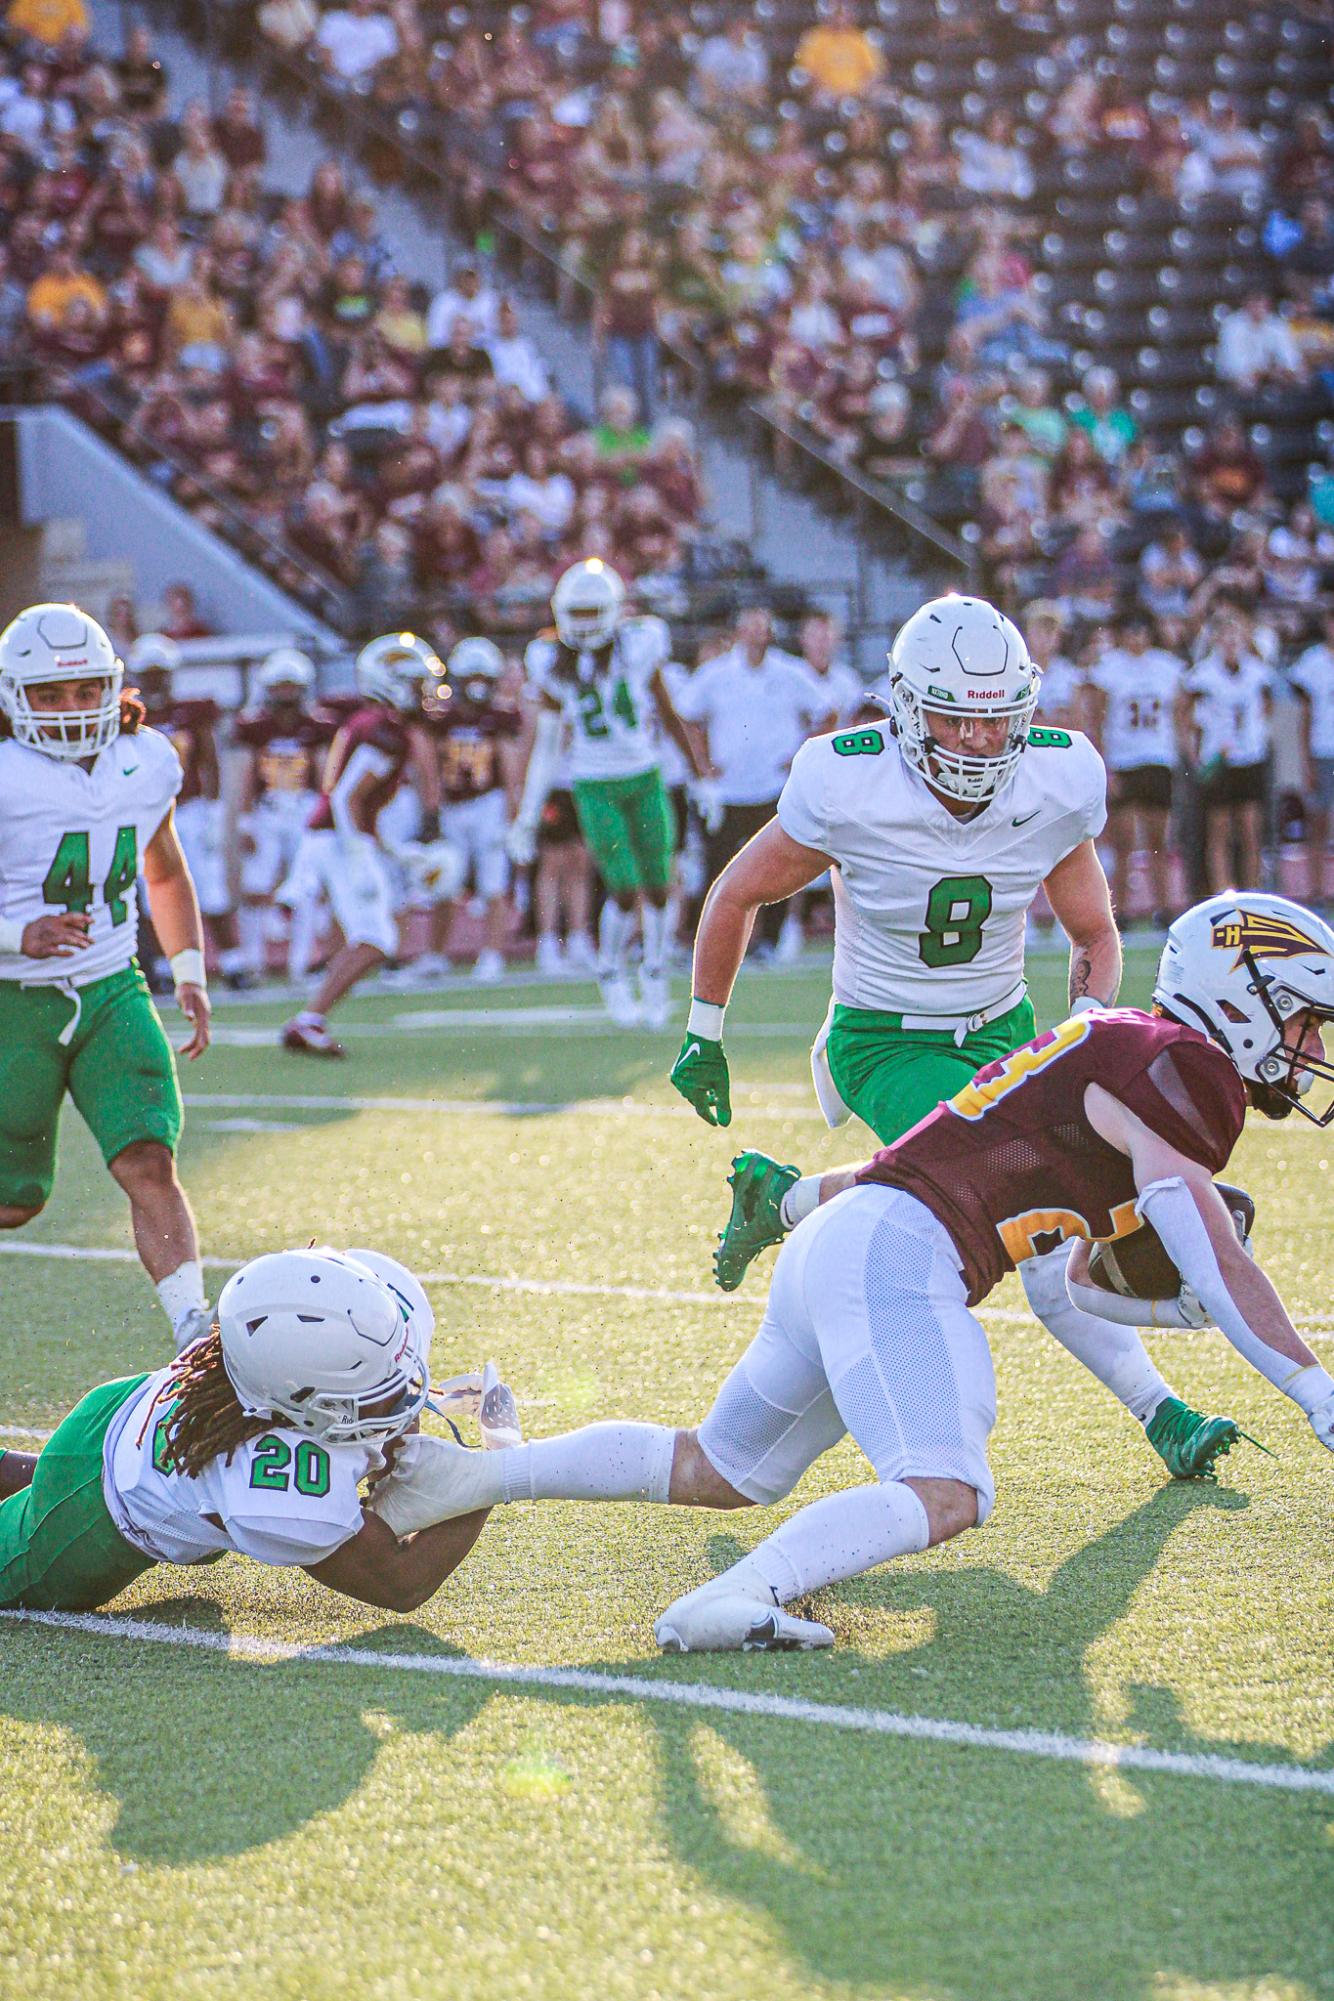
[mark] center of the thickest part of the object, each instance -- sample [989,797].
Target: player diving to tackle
[599,676]
[941,827]
[259,1439]
[1113,1121]
[86,807]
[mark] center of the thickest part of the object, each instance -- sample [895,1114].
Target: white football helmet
[436,870]
[58,642]
[1241,966]
[960,656]
[476,665]
[587,604]
[154,652]
[320,1339]
[392,669]
[286,667]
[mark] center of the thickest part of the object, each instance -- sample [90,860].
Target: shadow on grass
[914,1868]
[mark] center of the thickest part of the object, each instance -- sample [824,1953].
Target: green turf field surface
[237,1784]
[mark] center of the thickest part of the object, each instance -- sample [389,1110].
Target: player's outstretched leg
[758,1185]
[1188,1443]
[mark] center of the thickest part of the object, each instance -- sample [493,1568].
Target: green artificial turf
[184,1822]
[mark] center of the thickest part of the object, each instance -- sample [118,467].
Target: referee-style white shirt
[757,719]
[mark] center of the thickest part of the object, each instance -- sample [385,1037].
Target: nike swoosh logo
[694,1050]
[128,771]
[1024,820]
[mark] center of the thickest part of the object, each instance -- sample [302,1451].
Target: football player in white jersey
[1232,694]
[598,678]
[1312,675]
[86,808]
[258,1439]
[1138,715]
[941,826]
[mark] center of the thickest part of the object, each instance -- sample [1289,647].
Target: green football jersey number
[956,910]
[593,716]
[69,879]
[272,1467]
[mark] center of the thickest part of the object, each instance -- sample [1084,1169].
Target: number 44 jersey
[930,910]
[73,840]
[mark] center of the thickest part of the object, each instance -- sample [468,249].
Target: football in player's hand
[1138,1266]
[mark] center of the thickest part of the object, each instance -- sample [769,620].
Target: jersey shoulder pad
[1066,765]
[1179,1083]
[540,657]
[155,753]
[645,641]
[195,713]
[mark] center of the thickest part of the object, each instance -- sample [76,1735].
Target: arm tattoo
[1081,972]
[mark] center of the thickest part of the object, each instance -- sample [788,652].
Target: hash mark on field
[699,1695]
[511,1108]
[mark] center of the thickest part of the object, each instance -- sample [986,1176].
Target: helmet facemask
[586,605]
[1287,1075]
[67,734]
[959,774]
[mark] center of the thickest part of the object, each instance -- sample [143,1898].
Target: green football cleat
[758,1186]
[1189,1444]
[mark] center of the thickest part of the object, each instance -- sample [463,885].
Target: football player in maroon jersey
[341,851]
[475,733]
[284,745]
[190,725]
[1109,1122]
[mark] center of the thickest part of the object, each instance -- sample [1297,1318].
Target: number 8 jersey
[73,840]
[930,910]
[604,697]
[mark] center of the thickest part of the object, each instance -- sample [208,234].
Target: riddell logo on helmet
[1265,937]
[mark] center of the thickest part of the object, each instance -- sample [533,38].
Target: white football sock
[304,938]
[181,1292]
[802,1199]
[253,922]
[614,928]
[1114,1354]
[654,924]
[837,1537]
[603,1462]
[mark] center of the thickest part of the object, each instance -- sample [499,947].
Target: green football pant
[59,1548]
[892,1076]
[117,1066]
[630,830]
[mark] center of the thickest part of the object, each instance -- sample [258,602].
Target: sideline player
[941,829]
[190,726]
[1139,712]
[1108,1121]
[341,854]
[86,808]
[258,1439]
[474,731]
[283,744]
[597,675]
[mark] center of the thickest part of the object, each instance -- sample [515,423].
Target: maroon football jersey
[1011,1165]
[468,738]
[375,728]
[289,755]
[189,728]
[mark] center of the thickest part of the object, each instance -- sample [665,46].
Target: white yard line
[511,1108]
[701,1696]
[513,1021]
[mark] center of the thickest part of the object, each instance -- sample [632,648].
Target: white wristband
[187,968]
[1088,1004]
[706,1019]
[11,934]
[1308,1386]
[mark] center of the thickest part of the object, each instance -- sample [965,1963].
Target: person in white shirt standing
[354,40]
[1232,700]
[756,705]
[1138,712]
[86,808]
[1312,676]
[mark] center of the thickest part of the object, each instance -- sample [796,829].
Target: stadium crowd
[262,358]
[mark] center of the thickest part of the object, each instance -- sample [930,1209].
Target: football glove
[433,1480]
[700,1075]
[521,843]
[1322,1423]
[707,802]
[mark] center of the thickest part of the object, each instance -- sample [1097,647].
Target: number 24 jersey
[930,910]
[605,697]
[74,840]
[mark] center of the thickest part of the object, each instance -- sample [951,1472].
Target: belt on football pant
[962,1025]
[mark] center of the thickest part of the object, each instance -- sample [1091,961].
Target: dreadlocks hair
[132,713]
[206,1422]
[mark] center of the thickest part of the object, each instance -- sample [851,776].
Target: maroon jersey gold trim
[373,727]
[288,755]
[1011,1165]
[468,741]
[187,726]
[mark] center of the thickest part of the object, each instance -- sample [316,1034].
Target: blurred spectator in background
[1231,703]
[625,320]
[1312,677]
[1169,572]
[839,56]
[355,39]
[47,21]
[1255,347]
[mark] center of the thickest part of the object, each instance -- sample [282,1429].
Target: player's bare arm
[769,869]
[175,908]
[424,772]
[688,738]
[539,775]
[376,1568]
[1081,902]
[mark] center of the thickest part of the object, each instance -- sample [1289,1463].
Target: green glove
[700,1075]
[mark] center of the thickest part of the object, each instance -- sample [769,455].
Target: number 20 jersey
[1011,1165]
[74,840]
[930,910]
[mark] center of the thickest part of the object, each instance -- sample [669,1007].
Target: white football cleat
[719,1618]
[490,966]
[192,1327]
[550,958]
[655,997]
[499,1414]
[619,1000]
[580,952]
[309,1037]
[1322,1423]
